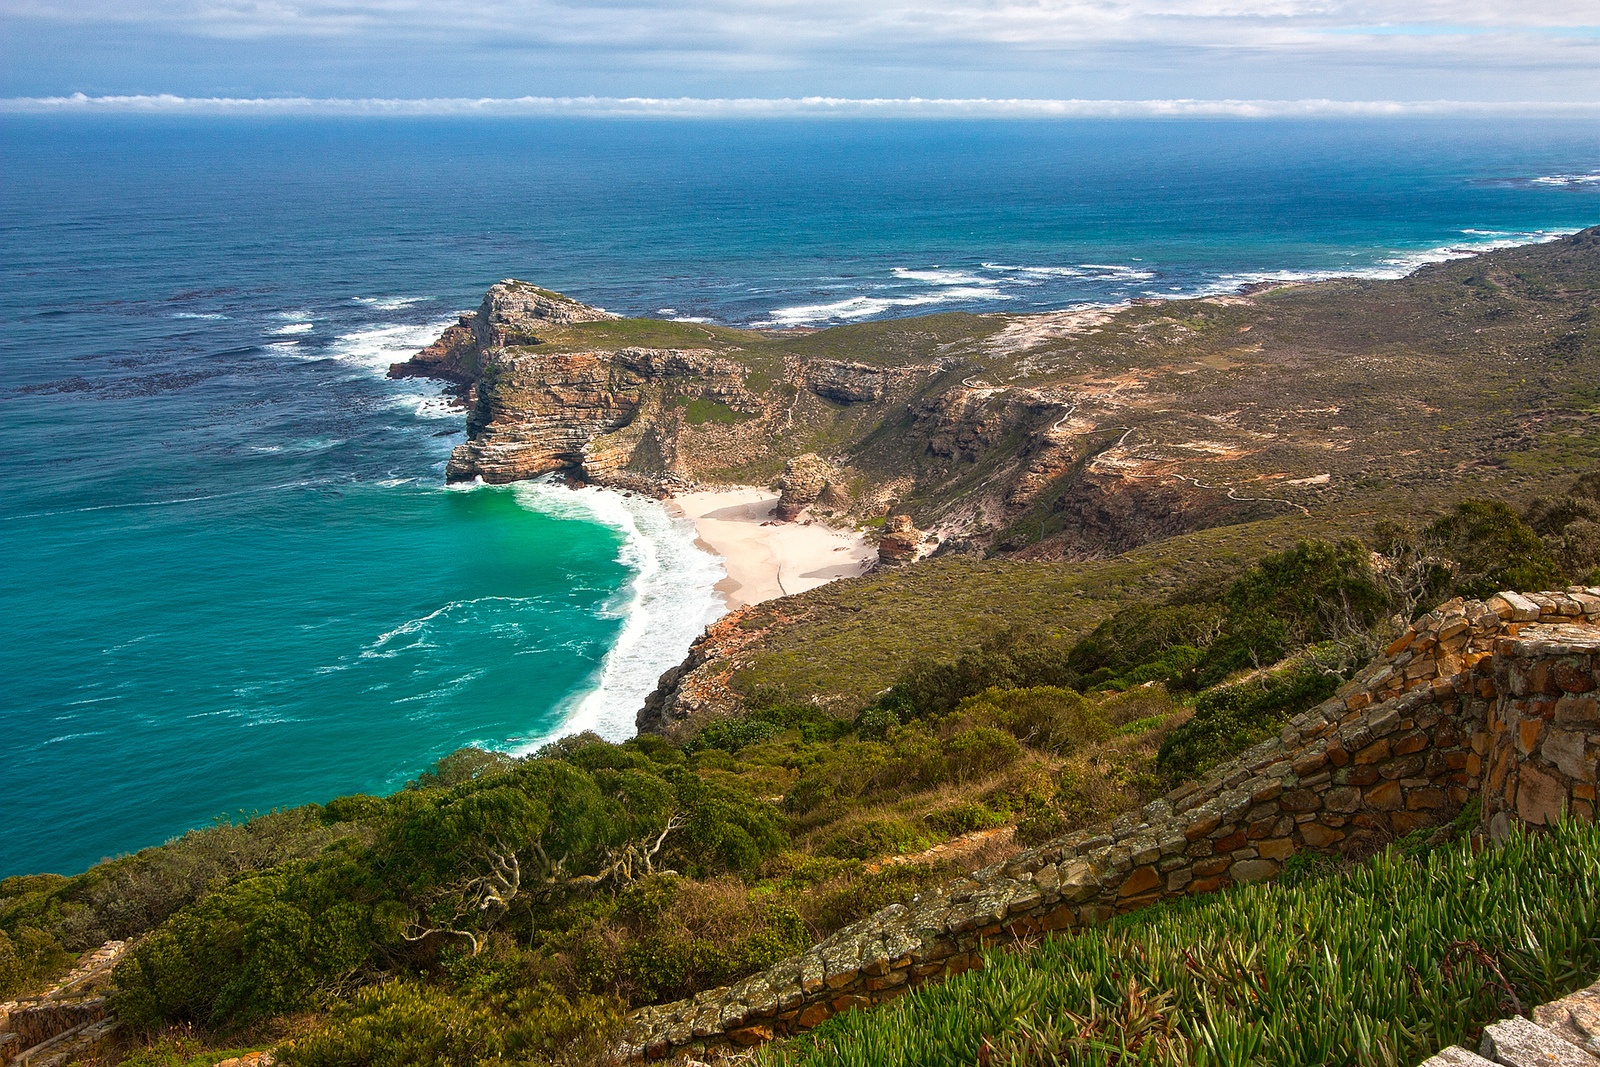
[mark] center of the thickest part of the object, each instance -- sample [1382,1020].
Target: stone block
[1426,799]
[1277,848]
[1342,799]
[750,1035]
[1256,870]
[1540,798]
[840,979]
[887,981]
[1574,1018]
[1516,1042]
[1528,731]
[1456,1056]
[1318,836]
[1300,801]
[1213,866]
[1233,841]
[1409,743]
[1574,710]
[1574,676]
[1385,797]
[1142,880]
[1373,753]
[1566,749]
[1179,880]
[1403,822]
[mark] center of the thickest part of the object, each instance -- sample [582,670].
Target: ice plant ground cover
[1380,963]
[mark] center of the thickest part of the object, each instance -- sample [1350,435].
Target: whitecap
[1569,180]
[1041,272]
[208,316]
[939,277]
[389,303]
[690,318]
[1118,271]
[863,307]
[669,601]
[294,327]
[378,347]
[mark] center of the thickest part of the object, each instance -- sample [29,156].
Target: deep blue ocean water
[232,577]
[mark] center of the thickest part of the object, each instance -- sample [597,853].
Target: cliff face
[1069,435]
[607,416]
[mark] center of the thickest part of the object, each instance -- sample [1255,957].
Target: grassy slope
[846,641]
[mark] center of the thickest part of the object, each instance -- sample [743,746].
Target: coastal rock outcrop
[512,312]
[857,383]
[607,416]
[900,541]
[806,480]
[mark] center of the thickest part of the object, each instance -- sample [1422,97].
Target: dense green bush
[269,944]
[410,1024]
[1570,527]
[1375,965]
[1229,719]
[26,958]
[1315,591]
[1010,659]
[1046,718]
[1142,634]
[127,896]
[1493,549]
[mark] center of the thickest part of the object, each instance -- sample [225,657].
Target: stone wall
[1496,697]
[1563,1033]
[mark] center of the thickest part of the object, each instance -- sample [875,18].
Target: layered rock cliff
[1072,435]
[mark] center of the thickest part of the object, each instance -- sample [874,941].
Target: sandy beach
[766,559]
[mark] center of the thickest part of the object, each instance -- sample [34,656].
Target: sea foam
[668,602]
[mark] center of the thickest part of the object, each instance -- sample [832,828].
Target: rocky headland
[1080,435]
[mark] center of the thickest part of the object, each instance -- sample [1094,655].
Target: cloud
[799,25]
[703,48]
[817,106]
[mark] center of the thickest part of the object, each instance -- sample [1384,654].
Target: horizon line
[764,107]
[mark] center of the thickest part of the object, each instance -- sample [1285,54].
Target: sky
[368,53]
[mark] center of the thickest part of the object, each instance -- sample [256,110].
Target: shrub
[1142,634]
[1493,549]
[979,753]
[1046,718]
[1315,591]
[874,837]
[28,958]
[407,1024]
[270,944]
[963,819]
[1229,719]
[463,765]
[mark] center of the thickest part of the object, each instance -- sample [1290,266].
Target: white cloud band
[810,106]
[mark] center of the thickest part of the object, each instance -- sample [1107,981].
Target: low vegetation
[1378,964]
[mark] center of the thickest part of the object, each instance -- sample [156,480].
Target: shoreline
[766,559]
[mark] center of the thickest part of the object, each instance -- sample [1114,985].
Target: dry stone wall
[1563,1033]
[1496,697]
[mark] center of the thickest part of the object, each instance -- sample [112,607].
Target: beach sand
[766,559]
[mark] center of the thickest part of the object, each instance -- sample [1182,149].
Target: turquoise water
[232,577]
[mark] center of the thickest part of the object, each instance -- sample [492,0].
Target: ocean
[233,577]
